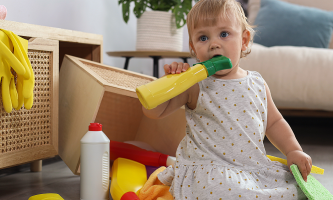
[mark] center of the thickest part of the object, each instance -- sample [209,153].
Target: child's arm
[282,137]
[175,103]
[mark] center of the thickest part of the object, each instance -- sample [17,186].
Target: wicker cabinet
[28,135]
[32,135]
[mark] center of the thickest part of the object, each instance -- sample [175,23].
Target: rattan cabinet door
[29,135]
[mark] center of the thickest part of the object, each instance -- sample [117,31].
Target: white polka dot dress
[222,155]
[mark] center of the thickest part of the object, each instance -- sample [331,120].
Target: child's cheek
[222,72]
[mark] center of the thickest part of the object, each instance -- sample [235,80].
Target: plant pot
[157,31]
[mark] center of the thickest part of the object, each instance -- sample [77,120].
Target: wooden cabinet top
[31,30]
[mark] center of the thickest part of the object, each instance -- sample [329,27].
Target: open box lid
[93,92]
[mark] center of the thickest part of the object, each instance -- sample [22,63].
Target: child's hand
[175,68]
[302,160]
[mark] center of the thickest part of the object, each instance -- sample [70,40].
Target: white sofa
[300,78]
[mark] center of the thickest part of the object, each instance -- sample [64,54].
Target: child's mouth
[216,55]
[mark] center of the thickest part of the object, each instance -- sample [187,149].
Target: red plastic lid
[95,127]
[129,196]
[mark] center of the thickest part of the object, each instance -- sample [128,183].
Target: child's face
[225,38]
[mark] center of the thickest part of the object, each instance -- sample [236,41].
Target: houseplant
[160,28]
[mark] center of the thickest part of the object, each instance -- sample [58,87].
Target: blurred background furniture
[28,136]
[155,55]
[299,77]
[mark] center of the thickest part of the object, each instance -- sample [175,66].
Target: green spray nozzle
[216,63]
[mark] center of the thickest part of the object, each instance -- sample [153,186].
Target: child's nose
[214,46]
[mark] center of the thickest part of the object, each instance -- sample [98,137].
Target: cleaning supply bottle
[161,90]
[95,164]
[129,151]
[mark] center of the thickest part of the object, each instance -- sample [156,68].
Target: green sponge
[312,188]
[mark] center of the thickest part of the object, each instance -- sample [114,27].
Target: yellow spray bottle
[161,90]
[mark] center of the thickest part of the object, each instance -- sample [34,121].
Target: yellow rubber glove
[9,93]
[13,92]
[12,89]
[27,84]
[19,52]
[6,77]
[26,81]
[6,53]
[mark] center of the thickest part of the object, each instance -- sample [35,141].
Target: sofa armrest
[298,77]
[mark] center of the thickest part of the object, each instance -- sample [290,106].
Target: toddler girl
[222,155]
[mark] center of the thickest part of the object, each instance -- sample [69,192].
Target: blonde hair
[206,11]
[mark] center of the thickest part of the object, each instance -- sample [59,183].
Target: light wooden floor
[18,183]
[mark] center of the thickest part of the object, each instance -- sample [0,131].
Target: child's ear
[245,39]
[192,47]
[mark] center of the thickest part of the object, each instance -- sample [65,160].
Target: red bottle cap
[95,127]
[129,196]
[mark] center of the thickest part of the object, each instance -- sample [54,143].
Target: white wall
[102,17]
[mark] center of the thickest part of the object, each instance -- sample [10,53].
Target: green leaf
[140,8]
[180,11]
[187,5]
[162,5]
[125,8]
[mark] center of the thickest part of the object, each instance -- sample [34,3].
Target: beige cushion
[254,6]
[298,77]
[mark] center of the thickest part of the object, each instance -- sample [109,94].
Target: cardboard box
[93,92]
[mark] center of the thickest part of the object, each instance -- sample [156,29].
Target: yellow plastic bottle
[46,196]
[127,179]
[314,169]
[161,90]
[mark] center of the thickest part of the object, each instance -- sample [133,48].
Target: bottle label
[105,171]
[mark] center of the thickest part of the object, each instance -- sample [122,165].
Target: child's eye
[224,34]
[203,38]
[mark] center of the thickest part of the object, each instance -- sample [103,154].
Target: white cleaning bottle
[95,164]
